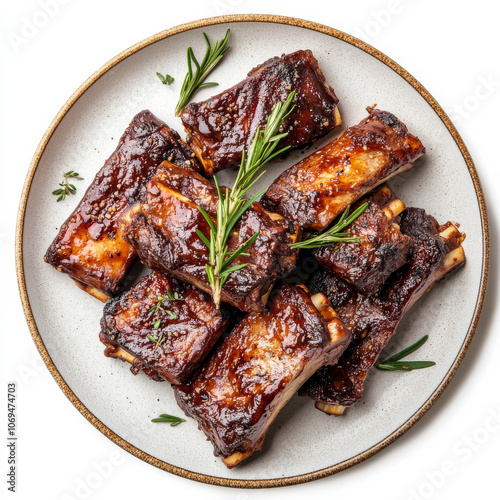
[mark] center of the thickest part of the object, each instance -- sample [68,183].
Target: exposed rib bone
[393,208]
[92,291]
[258,367]
[330,409]
[315,191]
[435,252]
[381,249]
[124,355]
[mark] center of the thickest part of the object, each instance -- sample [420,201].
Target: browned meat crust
[163,232]
[382,248]
[190,329]
[258,367]
[90,245]
[316,190]
[434,252]
[220,128]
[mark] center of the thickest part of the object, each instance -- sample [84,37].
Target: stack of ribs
[163,228]
[90,246]
[372,318]
[258,367]
[319,340]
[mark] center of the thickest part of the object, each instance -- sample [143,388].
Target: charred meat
[435,251]
[163,232]
[319,188]
[220,128]
[161,326]
[90,246]
[258,367]
[382,247]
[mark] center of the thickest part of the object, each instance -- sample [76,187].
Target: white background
[451,47]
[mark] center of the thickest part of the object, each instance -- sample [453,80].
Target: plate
[303,443]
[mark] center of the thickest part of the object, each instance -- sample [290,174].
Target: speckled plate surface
[85,133]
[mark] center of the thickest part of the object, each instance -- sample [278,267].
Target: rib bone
[434,253]
[258,367]
[381,248]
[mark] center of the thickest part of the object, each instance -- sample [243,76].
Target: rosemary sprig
[393,363]
[171,419]
[67,188]
[232,204]
[334,234]
[194,81]
[166,80]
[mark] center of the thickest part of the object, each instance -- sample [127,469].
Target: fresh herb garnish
[166,80]
[334,234]
[193,82]
[173,421]
[156,339]
[232,205]
[160,311]
[393,363]
[173,295]
[67,188]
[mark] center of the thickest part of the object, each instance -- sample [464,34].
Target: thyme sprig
[393,363]
[232,204]
[195,80]
[166,80]
[171,419]
[159,311]
[335,234]
[66,187]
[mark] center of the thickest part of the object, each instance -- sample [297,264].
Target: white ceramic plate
[303,443]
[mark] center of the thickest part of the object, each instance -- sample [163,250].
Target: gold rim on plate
[244,483]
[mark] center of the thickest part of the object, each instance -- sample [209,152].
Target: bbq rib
[258,367]
[316,190]
[220,128]
[90,245]
[188,329]
[163,232]
[382,247]
[435,251]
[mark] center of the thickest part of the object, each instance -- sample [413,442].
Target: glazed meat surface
[319,188]
[220,128]
[258,367]
[434,252]
[188,329]
[382,247]
[90,246]
[163,232]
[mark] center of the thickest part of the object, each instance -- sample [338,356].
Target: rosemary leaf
[408,350]
[171,419]
[405,366]
[334,234]
[393,363]
[195,80]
